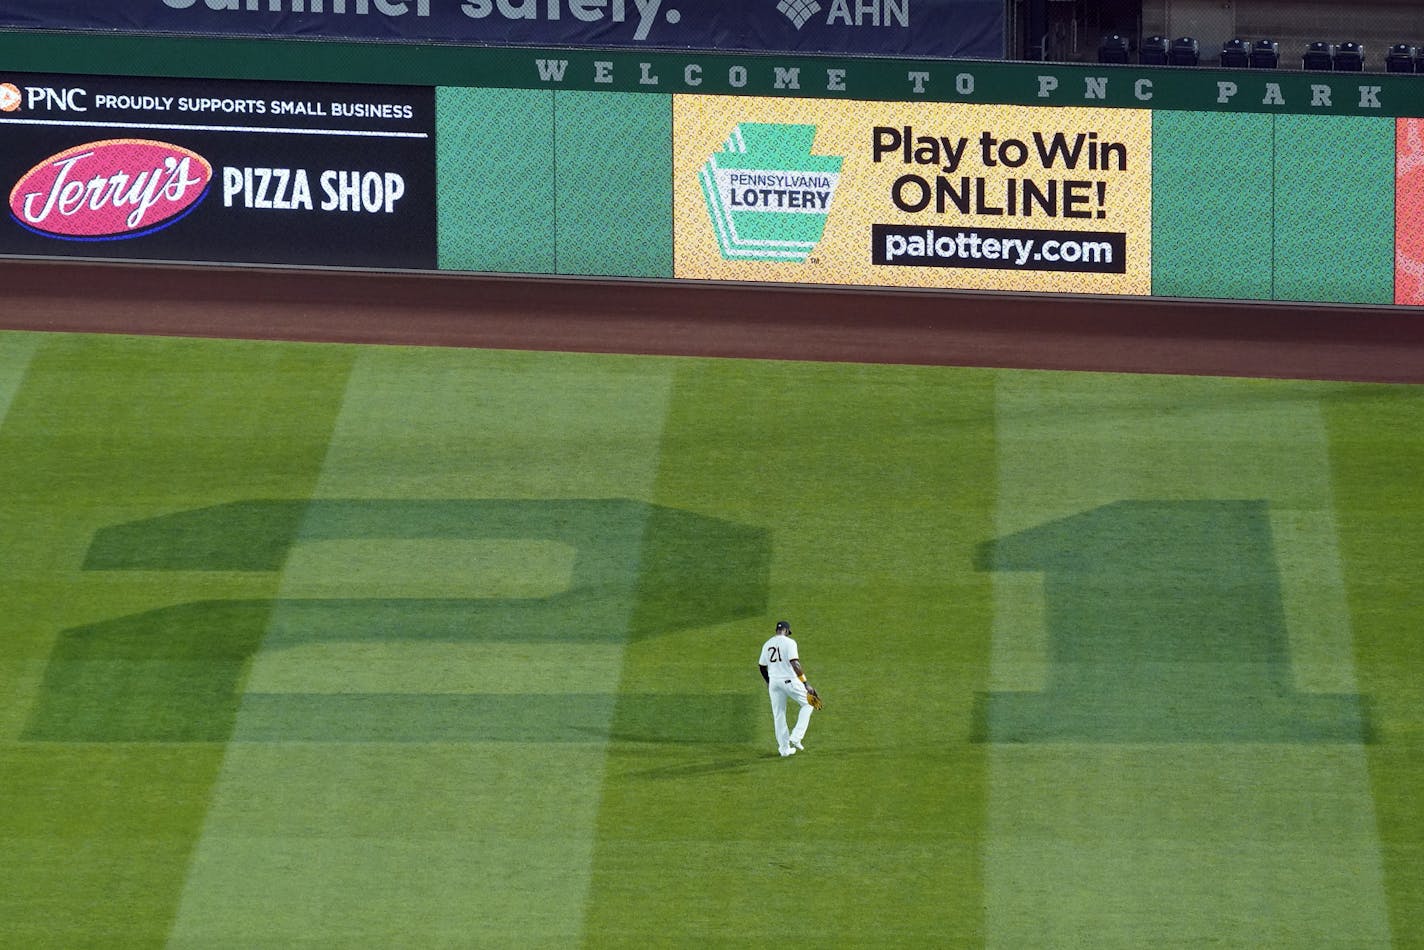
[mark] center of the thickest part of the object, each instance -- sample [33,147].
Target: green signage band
[705,73]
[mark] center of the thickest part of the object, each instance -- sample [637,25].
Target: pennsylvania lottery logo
[767,195]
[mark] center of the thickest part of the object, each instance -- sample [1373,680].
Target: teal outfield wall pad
[1334,221]
[1213,204]
[541,182]
[496,176]
[1254,207]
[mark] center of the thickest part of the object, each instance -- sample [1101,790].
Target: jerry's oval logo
[105,191]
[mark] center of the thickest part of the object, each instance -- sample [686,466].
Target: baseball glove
[814,698]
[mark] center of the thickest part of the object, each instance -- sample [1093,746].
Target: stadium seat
[1319,56]
[1185,51]
[1349,58]
[1400,58]
[1114,49]
[1265,54]
[1153,51]
[1236,54]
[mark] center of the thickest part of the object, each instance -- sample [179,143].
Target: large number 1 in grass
[1165,623]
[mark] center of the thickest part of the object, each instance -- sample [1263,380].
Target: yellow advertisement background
[701,125]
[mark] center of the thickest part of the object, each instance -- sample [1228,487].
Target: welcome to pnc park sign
[997,83]
[719,73]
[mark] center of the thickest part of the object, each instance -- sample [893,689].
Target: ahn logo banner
[885,14]
[110,190]
[767,195]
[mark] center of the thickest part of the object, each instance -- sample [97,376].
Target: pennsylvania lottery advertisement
[914,195]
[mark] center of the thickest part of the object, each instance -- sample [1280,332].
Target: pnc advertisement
[913,194]
[233,172]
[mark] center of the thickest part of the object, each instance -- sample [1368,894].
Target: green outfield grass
[333,646]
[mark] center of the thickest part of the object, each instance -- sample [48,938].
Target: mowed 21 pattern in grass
[392,647]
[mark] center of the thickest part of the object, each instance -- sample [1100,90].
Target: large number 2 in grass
[176,673]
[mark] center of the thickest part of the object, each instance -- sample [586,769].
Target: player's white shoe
[788,752]
[797,744]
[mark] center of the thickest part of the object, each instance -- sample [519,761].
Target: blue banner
[954,29]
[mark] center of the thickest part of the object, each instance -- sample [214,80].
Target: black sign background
[404,238]
[1116,241]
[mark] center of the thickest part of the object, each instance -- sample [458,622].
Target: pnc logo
[110,190]
[10,97]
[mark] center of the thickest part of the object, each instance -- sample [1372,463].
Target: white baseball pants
[781,691]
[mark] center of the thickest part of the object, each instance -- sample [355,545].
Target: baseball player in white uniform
[781,668]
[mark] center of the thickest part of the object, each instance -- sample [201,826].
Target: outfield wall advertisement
[1088,198]
[242,172]
[914,195]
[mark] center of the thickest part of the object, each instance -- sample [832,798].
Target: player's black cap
[783,627]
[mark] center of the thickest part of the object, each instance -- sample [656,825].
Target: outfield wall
[800,170]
